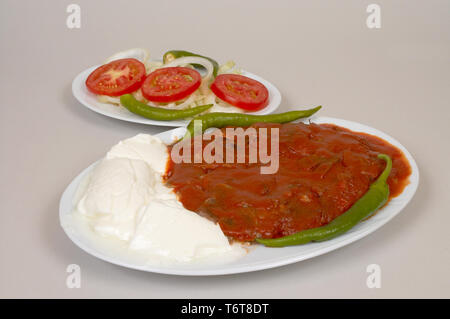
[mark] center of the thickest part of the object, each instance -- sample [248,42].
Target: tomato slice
[117,77]
[241,91]
[170,84]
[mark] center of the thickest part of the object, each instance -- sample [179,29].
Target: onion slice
[139,54]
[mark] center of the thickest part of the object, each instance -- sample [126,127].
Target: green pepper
[221,119]
[169,56]
[373,199]
[157,113]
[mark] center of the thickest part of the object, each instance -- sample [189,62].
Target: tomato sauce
[323,170]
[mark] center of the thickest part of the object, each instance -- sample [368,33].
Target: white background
[395,79]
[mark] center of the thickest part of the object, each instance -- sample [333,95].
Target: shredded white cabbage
[226,67]
[230,68]
[108,99]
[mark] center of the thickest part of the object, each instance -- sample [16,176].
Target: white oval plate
[259,257]
[89,100]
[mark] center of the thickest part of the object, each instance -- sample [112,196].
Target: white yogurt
[124,200]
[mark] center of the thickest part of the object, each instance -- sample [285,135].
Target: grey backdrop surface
[395,79]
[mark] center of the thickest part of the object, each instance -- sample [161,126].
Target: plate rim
[228,269]
[78,88]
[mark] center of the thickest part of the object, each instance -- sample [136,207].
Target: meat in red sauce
[323,170]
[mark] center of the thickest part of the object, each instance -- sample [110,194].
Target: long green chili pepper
[157,113]
[175,54]
[221,119]
[373,199]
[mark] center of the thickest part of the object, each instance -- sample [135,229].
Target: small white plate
[259,257]
[90,101]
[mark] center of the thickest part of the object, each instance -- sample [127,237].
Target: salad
[182,85]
